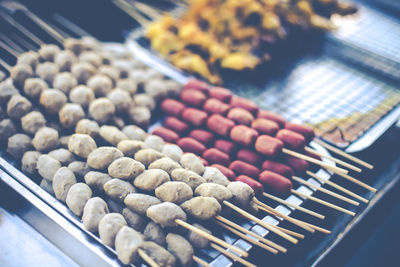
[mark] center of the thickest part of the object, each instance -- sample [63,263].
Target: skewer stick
[251,233]
[343,154]
[326,191]
[263,224]
[354,180]
[211,237]
[286,231]
[232,256]
[317,228]
[344,190]
[201,262]
[315,161]
[5,65]
[287,203]
[322,202]
[338,161]
[248,239]
[268,209]
[131,12]
[8,49]
[147,258]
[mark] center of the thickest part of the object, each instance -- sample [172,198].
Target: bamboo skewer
[248,239]
[248,232]
[232,256]
[211,237]
[322,202]
[268,209]
[131,12]
[338,161]
[326,191]
[201,262]
[263,224]
[287,203]
[289,232]
[343,154]
[315,161]
[8,49]
[147,258]
[5,65]
[344,190]
[354,180]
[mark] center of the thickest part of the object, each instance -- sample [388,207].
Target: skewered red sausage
[221,94]
[166,134]
[241,167]
[197,85]
[304,130]
[194,116]
[268,145]
[172,107]
[276,182]
[241,102]
[213,105]
[225,171]
[255,185]
[225,146]
[291,139]
[265,126]
[202,136]
[220,125]
[188,144]
[193,97]
[214,156]
[248,156]
[299,166]
[176,125]
[265,114]
[277,167]
[243,135]
[240,116]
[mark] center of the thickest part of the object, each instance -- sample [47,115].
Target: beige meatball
[81,145]
[101,109]
[74,45]
[111,72]
[29,161]
[130,147]
[127,243]
[242,193]
[213,175]
[165,164]
[52,100]
[143,100]
[172,151]
[30,58]
[112,134]
[134,220]
[19,73]
[63,179]
[216,191]
[97,180]
[7,129]
[47,167]
[139,203]
[70,114]
[33,87]
[134,132]
[90,43]
[18,106]
[151,179]
[48,52]
[156,89]
[89,127]
[159,254]
[166,214]
[77,196]
[109,226]
[203,208]
[121,100]
[173,88]
[79,168]
[100,84]
[64,60]
[154,142]
[127,85]
[102,157]
[193,163]
[139,115]
[91,58]
[148,155]
[64,141]
[64,81]
[18,144]
[197,240]
[64,156]
[125,168]
[117,189]
[154,232]
[187,176]
[82,71]
[180,248]
[47,186]
[175,192]
[7,90]
[95,209]
[47,71]
[32,122]
[81,95]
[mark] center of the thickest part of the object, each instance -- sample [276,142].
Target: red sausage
[241,167]
[241,102]
[240,116]
[221,94]
[197,85]
[194,116]
[193,97]
[248,156]
[277,167]
[268,145]
[213,105]
[304,130]
[176,125]
[214,156]
[291,139]
[202,136]
[276,182]
[225,146]
[220,125]
[166,134]
[265,114]
[299,166]
[264,126]
[255,185]
[188,144]
[172,107]
[243,135]
[225,171]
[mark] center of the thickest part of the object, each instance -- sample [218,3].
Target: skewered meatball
[165,164]
[117,189]
[130,147]
[64,156]
[48,52]
[102,157]
[241,192]
[203,208]
[47,71]
[175,192]
[64,60]
[111,72]
[88,127]
[82,71]
[64,81]
[81,95]
[100,84]
[154,233]
[29,58]
[63,179]
[29,161]
[180,248]
[192,162]
[77,197]
[156,89]
[45,139]
[33,87]
[70,114]
[125,168]
[79,168]
[91,58]
[18,106]
[197,240]
[214,175]
[47,186]
[112,134]
[101,109]
[154,142]
[134,132]
[95,209]
[166,213]
[172,151]
[127,243]
[109,226]
[134,220]
[187,176]
[81,145]
[216,191]
[47,166]
[64,141]
[90,43]
[7,129]
[139,115]
[18,144]
[121,100]
[19,73]
[151,179]
[75,45]
[97,180]
[7,90]
[140,202]
[173,88]
[159,254]
[32,122]
[144,101]
[127,85]
[148,155]
[52,100]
